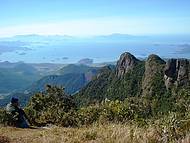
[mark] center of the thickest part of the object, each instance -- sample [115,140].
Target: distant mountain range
[52,38]
[23,80]
[18,76]
[72,77]
[115,37]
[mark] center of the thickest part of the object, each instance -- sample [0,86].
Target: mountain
[37,38]
[86,61]
[153,78]
[25,69]
[72,77]
[43,68]
[114,83]
[14,79]
[23,80]
[177,72]
[72,82]
[6,64]
[118,37]
[57,38]
[18,77]
[79,69]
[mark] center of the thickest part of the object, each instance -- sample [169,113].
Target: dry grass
[111,133]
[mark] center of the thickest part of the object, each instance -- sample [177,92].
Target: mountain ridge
[133,77]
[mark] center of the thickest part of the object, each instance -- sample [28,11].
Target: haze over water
[100,30]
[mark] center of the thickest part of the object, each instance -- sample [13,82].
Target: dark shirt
[20,115]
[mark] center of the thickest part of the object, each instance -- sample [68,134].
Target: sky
[94,17]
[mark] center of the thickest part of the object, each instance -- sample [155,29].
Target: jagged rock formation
[153,74]
[126,62]
[114,82]
[132,77]
[177,72]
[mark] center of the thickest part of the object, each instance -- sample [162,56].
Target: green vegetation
[107,85]
[137,103]
[72,77]
[56,107]
[127,86]
[49,107]
[136,119]
[95,91]
[22,77]
[72,82]
[72,68]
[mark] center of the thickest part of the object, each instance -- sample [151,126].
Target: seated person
[18,116]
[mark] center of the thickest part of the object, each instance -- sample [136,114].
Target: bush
[49,107]
[5,119]
[55,107]
[89,115]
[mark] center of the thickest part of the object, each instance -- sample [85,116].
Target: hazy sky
[94,17]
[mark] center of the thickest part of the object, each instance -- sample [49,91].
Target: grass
[109,133]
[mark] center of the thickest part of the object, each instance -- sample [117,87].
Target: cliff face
[132,77]
[153,75]
[177,73]
[126,62]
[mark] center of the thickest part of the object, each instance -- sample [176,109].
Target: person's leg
[24,124]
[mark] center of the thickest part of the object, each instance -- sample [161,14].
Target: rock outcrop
[126,62]
[131,77]
[153,71]
[177,73]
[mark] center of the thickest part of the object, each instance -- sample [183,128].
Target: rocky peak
[177,72]
[152,59]
[126,62]
[152,63]
[153,68]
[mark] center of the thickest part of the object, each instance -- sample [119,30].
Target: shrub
[5,118]
[49,107]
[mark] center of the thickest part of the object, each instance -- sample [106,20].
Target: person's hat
[14,100]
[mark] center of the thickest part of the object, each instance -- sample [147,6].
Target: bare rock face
[153,70]
[126,62]
[170,73]
[177,72]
